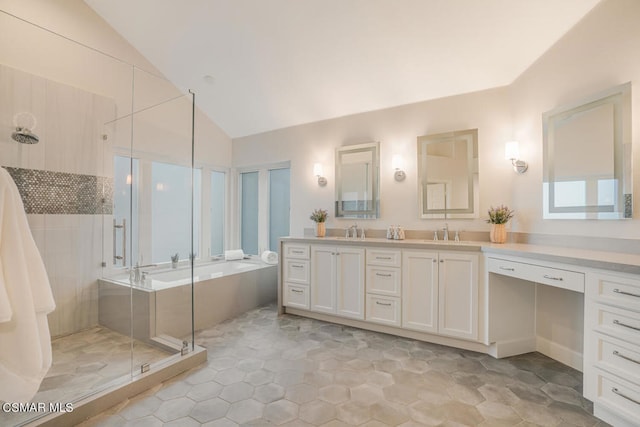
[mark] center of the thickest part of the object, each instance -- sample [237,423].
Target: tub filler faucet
[134,275]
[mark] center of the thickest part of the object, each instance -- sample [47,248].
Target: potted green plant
[319,216]
[174,260]
[498,217]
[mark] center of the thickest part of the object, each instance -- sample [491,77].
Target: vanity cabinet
[440,293]
[296,276]
[612,346]
[383,286]
[337,280]
[420,291]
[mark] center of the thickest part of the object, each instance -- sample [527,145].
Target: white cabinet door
[323,278]
[350,282]
[458,295]
[420,291]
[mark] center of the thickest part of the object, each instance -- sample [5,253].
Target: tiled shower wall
[66,184]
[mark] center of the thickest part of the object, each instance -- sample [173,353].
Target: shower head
[24,136]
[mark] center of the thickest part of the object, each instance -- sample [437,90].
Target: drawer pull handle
[546,276]
[381,303]
[507,268]
[383,257]
[297,252]
[297,291]
[383,275]
[622,356]
[618,291]
[630,399]
[297,266]
[617,322]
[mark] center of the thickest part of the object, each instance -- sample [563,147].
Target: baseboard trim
[560,353]
[509,348]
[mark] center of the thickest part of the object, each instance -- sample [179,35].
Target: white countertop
[615,261]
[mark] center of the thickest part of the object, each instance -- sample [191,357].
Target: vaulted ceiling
[259,65]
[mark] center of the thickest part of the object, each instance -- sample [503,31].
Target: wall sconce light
[512,152]
[317,171]
[398,165]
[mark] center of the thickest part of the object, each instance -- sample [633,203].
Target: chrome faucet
[354,227]
[445,236]
[136,272]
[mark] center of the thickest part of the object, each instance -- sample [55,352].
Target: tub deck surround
[574,305]
[222,290]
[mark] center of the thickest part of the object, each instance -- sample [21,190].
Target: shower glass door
[165,214]
[106,130]
[66,183]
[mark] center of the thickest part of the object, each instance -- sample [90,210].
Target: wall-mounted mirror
[448,174]
[357,176]
[587,158]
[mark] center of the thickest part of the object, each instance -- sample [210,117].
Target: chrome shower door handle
[117,257]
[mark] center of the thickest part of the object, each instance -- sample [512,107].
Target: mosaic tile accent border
[47,192]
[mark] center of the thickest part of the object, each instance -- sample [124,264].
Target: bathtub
[162,303]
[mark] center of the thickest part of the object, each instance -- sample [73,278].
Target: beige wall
[397,130]
[78,63]
[600,52]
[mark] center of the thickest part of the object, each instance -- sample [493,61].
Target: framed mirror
[587,158]
[357,181]
[448,174]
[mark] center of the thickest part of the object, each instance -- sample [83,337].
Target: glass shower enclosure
[109,193]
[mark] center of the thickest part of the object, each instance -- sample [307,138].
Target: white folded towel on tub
[270,257]
[233,255]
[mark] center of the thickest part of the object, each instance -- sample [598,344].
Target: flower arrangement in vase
[498,217]
[319,216]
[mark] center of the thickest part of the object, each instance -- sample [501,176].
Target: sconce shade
[397,162]
[512,153]
[511,150]
[317,171]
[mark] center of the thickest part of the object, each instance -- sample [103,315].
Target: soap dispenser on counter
[398,233]
[391,232]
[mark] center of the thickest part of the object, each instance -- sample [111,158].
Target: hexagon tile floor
[265,370]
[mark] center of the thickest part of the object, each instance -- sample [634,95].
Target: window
[249,212]
[171,211]
[279,206]
[264,197]
[217,211]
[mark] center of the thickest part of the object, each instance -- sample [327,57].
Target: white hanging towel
[26,299]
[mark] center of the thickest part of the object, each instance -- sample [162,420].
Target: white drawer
[385,310]
[565,279]
[617,322]
[296,251]
[384,280]
[618,357]
[386,257]
[296,296]
[621,291]
[618,395]
[296,271]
